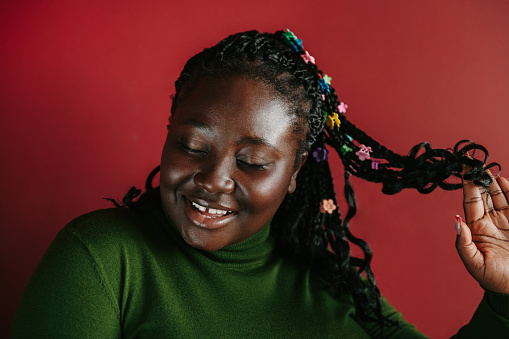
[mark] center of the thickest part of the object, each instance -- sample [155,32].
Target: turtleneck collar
[251,253]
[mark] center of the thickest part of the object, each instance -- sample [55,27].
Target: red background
[85,94]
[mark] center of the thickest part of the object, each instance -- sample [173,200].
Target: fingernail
[458,224]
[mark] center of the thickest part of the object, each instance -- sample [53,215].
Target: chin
[204,242]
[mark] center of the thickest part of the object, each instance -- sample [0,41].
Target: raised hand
[483,241]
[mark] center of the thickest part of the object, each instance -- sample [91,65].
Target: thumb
[468,252]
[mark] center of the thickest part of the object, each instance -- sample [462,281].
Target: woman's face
[228,161]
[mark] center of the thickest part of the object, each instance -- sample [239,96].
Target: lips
[206,216]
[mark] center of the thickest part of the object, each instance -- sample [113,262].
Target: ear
[293,180]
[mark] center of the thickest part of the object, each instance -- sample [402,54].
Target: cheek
[171,177]
[174,170]
[268,192]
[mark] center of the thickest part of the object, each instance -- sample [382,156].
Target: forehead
[238,105]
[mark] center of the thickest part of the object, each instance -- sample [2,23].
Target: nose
[215,176]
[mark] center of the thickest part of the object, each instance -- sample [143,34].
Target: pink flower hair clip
[327,206]
[363,152]
[342,107]
[375,163]
[307,58]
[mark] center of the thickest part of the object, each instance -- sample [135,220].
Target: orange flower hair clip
[327,206]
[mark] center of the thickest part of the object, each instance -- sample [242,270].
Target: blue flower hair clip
[292,41]
[323,83]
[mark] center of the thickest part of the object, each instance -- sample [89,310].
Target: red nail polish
[458,224]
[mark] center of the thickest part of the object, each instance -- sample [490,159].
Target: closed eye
[247,165]
[190,150]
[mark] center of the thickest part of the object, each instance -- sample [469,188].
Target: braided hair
[313,236]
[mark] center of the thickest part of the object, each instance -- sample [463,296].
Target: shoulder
[117,229]
[106,220]
[113,221]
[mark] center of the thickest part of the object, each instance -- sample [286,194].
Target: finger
[472,258]
[498,199]
[486,198]
[473,203]
[503,183]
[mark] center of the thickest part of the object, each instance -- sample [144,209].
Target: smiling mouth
[207,217]
[210,212]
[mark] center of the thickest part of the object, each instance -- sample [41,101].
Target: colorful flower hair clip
[324,85]
[307,58]
[345,149]
[289,35]
[363,153]
[375,163]
[321,154]
[342,107]
[292,41]
[333,120]
[327,206]
[327,79]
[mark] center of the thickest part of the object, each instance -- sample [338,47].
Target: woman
[243,238]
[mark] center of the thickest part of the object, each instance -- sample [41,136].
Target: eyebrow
[244,140]
[196,123]
[258,141]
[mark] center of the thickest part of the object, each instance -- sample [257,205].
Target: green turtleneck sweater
[122,274]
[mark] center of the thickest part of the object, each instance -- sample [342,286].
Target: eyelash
[192,151]
[259,167]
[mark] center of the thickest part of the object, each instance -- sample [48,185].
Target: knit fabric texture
[119,273]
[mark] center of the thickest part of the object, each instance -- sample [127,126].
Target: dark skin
[228,161]
[483,242]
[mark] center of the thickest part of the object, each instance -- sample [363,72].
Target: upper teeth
[209,210]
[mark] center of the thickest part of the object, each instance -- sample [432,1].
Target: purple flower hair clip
[321,154]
